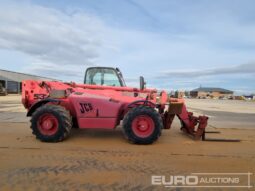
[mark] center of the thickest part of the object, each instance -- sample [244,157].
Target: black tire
[142,111]
[63,118]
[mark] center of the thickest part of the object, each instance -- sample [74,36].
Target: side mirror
[142,83]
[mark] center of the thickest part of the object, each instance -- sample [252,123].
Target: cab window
[99,76]
[111,79]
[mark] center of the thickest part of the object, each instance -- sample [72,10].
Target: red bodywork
[94,106]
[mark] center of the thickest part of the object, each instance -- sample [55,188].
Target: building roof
[18,77]
[210,89]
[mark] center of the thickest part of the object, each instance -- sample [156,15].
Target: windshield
[102,76]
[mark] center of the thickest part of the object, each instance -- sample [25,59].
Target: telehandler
[104,101]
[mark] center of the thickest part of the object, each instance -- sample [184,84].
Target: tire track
[126,154]
[66,184]
[83,165]
[49,173]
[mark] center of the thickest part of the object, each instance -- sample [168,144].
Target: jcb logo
[85,107]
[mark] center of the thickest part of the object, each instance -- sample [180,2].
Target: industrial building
[10,82]
[208,92]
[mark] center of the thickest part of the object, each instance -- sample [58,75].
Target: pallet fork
[192,125]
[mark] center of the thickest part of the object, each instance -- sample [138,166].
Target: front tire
[142,125]
[51,123]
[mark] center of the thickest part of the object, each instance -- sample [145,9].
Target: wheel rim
[47,124]
[143,126]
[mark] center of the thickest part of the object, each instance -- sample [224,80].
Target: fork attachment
[192,125]
[188,120]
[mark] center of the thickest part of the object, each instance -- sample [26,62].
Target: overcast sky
[178,44]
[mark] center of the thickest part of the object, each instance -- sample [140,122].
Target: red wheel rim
[47,124]
[143,126]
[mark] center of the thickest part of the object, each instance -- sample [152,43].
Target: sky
[174,44]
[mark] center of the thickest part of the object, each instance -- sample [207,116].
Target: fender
[39,104]
[142,102]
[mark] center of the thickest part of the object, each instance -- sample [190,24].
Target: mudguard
[39,104]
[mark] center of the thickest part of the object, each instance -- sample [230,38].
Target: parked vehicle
[103,101]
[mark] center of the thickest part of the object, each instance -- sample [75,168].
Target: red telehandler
[103,101]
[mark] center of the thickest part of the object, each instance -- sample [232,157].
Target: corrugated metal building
[11,81]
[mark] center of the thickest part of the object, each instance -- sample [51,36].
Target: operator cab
[104,76]
[107,76]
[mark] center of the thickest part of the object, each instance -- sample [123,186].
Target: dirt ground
[104,160]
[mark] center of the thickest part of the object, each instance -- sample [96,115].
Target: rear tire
[51,123]
[142,125]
